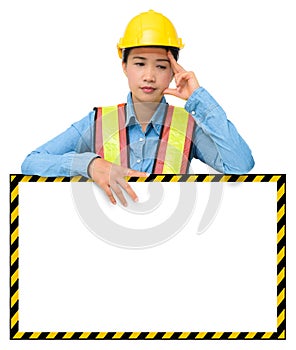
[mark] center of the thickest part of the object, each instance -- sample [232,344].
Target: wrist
[90,168]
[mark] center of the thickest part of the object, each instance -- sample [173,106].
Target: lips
[148,89]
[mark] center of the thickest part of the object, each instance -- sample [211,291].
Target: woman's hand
[111,178]
[186,82]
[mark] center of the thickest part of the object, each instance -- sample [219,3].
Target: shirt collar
[157,118]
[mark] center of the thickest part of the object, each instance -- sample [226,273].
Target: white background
[58,60]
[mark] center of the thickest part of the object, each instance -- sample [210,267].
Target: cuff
[200,103]
[81,162]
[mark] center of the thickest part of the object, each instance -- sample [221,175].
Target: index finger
[136,173]
[174,64]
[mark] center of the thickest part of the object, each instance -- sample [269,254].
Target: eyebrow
[144,58]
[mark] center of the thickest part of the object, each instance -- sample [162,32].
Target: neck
[144,111]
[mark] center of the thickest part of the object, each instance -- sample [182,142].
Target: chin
[150,98]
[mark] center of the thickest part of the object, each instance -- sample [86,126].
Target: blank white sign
[221,280]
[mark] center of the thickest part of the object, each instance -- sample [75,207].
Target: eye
[139,64]
[162,67]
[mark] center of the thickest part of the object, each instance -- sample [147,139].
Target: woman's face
[149,73]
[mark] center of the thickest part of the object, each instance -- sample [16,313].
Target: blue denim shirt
[216,142]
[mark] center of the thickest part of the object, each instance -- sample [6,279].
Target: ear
[124,68]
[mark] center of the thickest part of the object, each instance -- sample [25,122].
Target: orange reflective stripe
[176,141]
[162,147]
[99,146]
[175,144]
[123,136]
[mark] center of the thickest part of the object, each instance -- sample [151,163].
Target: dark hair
[174,51]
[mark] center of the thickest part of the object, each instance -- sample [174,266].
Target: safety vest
[173,152]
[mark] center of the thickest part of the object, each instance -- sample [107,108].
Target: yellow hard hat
[149,29]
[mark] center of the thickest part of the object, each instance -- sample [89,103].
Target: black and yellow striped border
[280,221]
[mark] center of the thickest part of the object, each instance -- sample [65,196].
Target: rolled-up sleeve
[68,154]
[216,140]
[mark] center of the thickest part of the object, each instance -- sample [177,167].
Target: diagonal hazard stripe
[275,178]
[209,178]
[192,178]
[267,335]
[281,297]
[151,335]
[14,235]
[281,234]
[281,318]
[225,178]
[282,335]
[19,335]
[135,335]
[159,178]
[234,335]
[58,179]
[14,257]
[217,335]
[14,278]
[35,335]
[281,192]
[281,255]
[14,319]
[42,179]
[14,298]
[259,178]
[184,335]
[201,335]
[118,335]
[14,194]
[242,178]
[176,178]
[281,275]
[168,335]
[26,178]
[52,335]
[85,335]
[280,213]
[251,335]
[102,335]
[14,215]
[68,335]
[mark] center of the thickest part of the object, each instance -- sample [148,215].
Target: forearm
[217,141]
[68,154]
[45,164]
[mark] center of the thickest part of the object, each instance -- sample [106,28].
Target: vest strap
[110,134]
[173,155]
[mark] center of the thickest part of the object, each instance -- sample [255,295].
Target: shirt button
[138,160]
[193,112]
[141,139]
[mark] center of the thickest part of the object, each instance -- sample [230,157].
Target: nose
[149,75]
